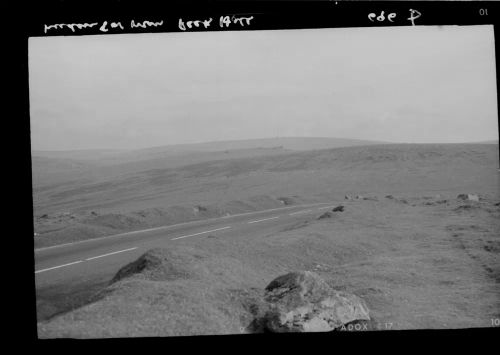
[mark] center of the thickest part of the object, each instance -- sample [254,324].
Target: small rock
[348,197]
[304,302]
[338,209]
[319,267]
[390,197]
[199,208]
[285,200]
[470,197]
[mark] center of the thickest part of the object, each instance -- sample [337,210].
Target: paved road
[70,258]
[65,271]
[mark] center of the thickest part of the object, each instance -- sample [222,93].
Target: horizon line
[375,142]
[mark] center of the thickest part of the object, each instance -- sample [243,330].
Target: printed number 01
[483,12]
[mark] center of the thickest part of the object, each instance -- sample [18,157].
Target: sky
[421,84]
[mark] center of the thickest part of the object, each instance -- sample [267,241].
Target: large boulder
[304,302]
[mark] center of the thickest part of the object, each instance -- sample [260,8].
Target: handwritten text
[192,24]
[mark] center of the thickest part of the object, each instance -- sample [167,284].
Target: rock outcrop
[304,302]
[156,264]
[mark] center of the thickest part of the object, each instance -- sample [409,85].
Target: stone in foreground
[304,302]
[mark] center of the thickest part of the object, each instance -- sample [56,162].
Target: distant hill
[80,154]
[238,174]
[285,143]
[291,143]
[488,142]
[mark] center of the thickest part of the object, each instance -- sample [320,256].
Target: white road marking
[304,211]
[261,220]
[192,235]
[178,224]
[79,261]
[115,252]
[57,267]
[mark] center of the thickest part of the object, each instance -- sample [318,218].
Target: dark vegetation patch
[465,208]
[433,203]
[330,214]
[326,215]
[492,246]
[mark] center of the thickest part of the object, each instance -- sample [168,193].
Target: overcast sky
[411,84]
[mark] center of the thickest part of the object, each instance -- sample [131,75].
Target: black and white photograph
[271,181]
